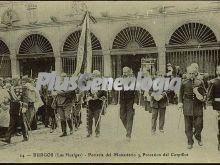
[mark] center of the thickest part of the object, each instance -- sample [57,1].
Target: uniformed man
[126,106]
[192,95]
[63,103]
[17,111]
[32,99]
[214,98]
[95,107]
[158,105]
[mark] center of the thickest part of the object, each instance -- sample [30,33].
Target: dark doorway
[34,66]
[132,61]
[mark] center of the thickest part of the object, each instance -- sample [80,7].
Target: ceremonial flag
[84,52]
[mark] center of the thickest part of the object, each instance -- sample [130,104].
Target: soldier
[126,106]
[158,104]
[214,98]
[32,99]
[95,104]
[17,113]
[191,96]
[63,104]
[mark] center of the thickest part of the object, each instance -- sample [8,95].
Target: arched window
[5,62]
[34,44]
[71,45]
[72,41]
[191,34]
[194,43]
[133,37]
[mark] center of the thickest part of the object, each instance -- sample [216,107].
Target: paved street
[167,147]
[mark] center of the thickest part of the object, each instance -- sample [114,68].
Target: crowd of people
[25,106]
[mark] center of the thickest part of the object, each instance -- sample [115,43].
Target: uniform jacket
[191,105]
[214,92]
[65,98]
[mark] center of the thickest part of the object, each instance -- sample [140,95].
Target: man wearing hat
[64,101]
[192,95]
[17,110]
[214,98]
[95,107]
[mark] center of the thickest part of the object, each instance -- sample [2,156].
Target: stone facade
[160,26]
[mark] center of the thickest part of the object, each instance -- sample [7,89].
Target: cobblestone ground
[144,147]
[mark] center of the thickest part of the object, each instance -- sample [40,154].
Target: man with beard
[126,105]
[95,104]
[191,98]
[214,98]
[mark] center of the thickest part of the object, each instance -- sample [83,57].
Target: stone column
[58,63]
[15,68]
[162,58]
[107,64]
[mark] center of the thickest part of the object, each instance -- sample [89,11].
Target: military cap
[169,64]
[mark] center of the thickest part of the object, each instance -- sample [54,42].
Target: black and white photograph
[109,81]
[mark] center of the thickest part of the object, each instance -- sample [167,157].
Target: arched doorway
[130,46]
[194,42]
[35,55]
[5,62]
[69,53]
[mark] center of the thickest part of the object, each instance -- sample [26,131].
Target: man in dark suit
[158,104]
[191,98]
[214,97]
[126,106]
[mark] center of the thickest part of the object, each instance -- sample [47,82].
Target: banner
[84,52]
[81,48]
[88,48]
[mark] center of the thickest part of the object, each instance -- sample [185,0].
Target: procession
[110,81]
[23,106]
